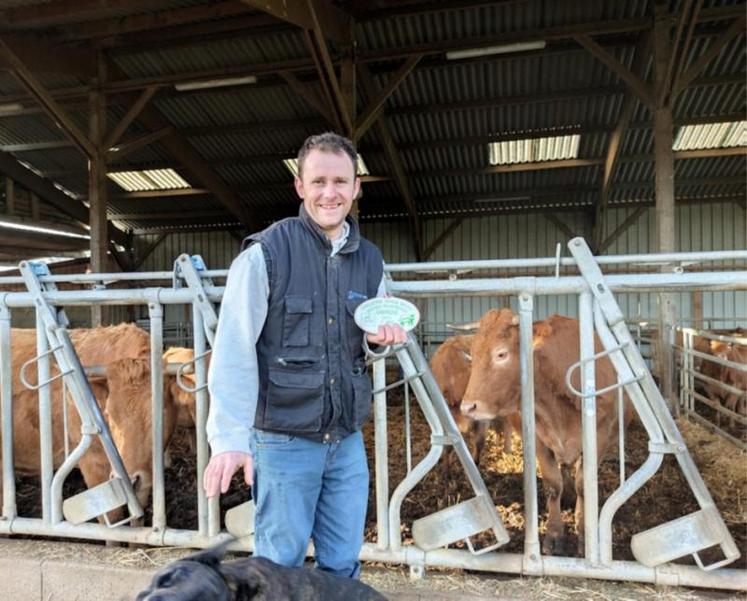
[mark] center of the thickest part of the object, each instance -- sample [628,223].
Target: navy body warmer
[313,380]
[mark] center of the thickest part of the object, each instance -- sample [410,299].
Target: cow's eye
[500,355]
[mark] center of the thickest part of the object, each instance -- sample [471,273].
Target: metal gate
[597,311]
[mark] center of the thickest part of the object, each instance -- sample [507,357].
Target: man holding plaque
[288,380]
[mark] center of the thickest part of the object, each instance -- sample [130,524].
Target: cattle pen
[695,534]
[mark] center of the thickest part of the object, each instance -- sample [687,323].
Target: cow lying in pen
[494,389]
[204,577]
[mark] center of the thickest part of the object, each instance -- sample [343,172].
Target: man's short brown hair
[327,142]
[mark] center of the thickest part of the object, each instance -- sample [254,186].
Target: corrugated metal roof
[441,117]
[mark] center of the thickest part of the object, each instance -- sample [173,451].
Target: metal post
[408,429]
[204,508]
[690,397]
[589,427]
[664,182]
[155,312]
[97,181]
[46,442]
[6,401]
[381,459]
[532,556]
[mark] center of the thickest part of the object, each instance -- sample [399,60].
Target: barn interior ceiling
[182,114]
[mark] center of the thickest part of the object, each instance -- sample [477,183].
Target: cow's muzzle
[468,409]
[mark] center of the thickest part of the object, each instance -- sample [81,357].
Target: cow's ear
[515,320]
[542,329]
[210,557]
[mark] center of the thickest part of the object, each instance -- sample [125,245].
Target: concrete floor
[43,570]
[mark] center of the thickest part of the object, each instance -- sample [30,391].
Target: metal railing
[701,395]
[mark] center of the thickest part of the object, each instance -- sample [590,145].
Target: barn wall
[700,227]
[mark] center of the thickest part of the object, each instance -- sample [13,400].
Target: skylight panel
[152,179]
[711,135]
[533,150]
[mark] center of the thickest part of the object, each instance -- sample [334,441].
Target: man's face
[328,185]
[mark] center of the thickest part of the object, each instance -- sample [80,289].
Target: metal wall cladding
[717,226]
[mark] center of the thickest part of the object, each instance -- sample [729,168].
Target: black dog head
[194,578]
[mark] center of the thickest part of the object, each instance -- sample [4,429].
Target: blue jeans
[309,490]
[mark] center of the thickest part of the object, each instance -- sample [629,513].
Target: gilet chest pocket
[297,321]
[351,305]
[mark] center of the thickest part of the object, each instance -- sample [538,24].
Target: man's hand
[387,335]
[222,467]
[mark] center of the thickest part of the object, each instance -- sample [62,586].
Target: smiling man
[288,379]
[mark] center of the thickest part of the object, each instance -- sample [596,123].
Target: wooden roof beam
[395,162]
[640,62]
[131,114]
[51,195]
[42,56]
[334,22]
[736,28]
[54,110]
[309,95]
[373,110]
[155,19]
[635,82]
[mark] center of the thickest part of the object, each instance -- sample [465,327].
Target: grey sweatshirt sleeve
[233,379]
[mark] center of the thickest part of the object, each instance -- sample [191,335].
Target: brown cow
[494,389]
[97,346]
[716,371]
[185,401]
[128,413]
[451,365]
[737,378]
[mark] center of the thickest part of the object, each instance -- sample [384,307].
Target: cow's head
[185,400]
[494,385]
[128,411]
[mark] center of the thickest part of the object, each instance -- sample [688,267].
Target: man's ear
[299,186]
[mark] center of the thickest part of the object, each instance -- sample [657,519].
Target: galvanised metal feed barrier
[692,400]
[597,311]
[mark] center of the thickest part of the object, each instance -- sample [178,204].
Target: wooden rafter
[334,22]
[621,229]
[51,195]
[127,147]
[61,12]
[159,19]
[42,56]
[130,116]
[443,237]
[201,172]
[148,250]
[316,41]
[640,61]
[374,108]
[561,225]
[53,109]
[736,28]
[309,95]
[635,82]
[396,164]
